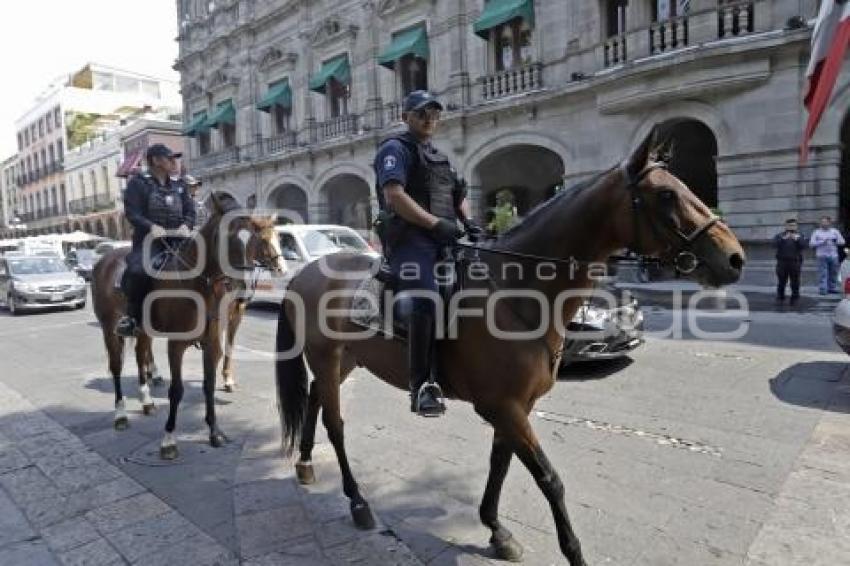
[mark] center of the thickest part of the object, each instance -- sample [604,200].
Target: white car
[841,315]
[302,243]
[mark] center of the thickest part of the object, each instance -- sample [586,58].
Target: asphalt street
[682,454]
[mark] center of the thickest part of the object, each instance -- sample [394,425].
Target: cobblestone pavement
[699,452]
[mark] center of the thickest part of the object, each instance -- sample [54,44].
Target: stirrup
[429,391]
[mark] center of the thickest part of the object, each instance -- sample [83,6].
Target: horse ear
[639,158]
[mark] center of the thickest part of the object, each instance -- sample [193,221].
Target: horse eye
[667,196]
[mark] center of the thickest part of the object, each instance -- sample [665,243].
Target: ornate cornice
[387,8]
[222,78]
[273,57]
[331,30]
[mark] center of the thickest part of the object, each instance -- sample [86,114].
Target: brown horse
[638,205]
[250,241]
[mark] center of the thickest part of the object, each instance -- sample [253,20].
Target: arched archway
[347,200]
[523,174]
[76,226]
[112,228]
[694,156]
[99,228]
[87,227]
[290,203]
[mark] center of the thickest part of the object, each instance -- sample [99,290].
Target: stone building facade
[8,192]
[285,101]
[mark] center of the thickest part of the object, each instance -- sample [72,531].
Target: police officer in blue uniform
[422,199]
[154,202]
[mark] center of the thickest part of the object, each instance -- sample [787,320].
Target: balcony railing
[512,81]
[339,126]
[279,144]
[614,50]
[94,203]
[668,34]
[735,18]
[221,158]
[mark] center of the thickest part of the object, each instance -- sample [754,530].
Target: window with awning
[413,42]
[337,69]
[224,114]
[279,94]
[499,12]
[197,125]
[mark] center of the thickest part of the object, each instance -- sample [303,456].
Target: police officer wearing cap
[154,201]
[422,199]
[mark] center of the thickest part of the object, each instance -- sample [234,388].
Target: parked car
[39,282]
[604,328]
[82,262]
[841,314]
[301,244]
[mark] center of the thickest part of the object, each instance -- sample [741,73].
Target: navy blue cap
[420,99]
[161,150]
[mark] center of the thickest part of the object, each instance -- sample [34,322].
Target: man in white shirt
[825,240]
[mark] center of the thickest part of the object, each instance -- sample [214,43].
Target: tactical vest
[165,205]
[431,180]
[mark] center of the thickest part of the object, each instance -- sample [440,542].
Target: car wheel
[10,304]
[80,305]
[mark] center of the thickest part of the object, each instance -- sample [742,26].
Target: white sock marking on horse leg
[145,395]
[120,410]
[154,371]
[168,440]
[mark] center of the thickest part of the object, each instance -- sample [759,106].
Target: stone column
[458,89]
[373,115]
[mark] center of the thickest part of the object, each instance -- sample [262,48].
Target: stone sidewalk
[63,503]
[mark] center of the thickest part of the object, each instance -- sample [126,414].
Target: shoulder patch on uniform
[390,162]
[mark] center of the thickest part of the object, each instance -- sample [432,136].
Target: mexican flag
[829,44]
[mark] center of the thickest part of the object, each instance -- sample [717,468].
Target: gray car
[39,282]
[605,327]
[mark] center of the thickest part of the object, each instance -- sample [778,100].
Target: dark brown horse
[249,242]
[638,205]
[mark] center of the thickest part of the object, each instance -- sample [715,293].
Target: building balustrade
[668,34]
[393,113]
[339,126]
[94,203]
[735,18]
[614,50]
[228,156]
[512,81]
[279,144]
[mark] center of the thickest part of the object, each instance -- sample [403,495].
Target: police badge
[169,200]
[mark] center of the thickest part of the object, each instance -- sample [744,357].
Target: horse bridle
[681,256]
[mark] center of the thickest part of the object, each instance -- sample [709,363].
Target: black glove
[474,232]
[446,231]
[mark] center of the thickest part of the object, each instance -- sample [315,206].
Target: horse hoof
[168,452]
[148,409]
[217,440]
[508,549]
[362,516]
[228,388]
[305,473]
[121,423]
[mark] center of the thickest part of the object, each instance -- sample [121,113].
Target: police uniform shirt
[392,163]
[136,202]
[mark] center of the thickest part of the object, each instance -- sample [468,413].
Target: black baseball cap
[420,99]
[161,150]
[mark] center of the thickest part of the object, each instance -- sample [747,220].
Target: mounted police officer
[157,203]
[422,199]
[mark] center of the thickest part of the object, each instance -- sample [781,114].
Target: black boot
[425,394]
[129,324]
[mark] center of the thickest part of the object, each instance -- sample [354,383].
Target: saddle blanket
[368,309]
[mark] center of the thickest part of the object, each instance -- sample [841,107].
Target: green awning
[498,12]
[279,94]
[197,125]
[225,113]
[411,42]
[337,69]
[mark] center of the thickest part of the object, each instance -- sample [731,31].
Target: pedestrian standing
[826,240]
[789,260]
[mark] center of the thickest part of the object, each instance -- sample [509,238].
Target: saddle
[371,305]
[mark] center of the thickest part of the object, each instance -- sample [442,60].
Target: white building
[92,186]
[8,191]
[73,110]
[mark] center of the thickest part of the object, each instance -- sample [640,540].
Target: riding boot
[425,394]
[128,325]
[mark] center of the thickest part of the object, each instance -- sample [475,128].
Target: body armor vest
[165,205]
[431,181]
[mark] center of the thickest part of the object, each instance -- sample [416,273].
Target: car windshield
[346,240]
[36,266]
[319,244]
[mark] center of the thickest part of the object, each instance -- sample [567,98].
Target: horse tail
[291,378]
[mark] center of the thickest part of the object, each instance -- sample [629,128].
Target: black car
[607,326]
